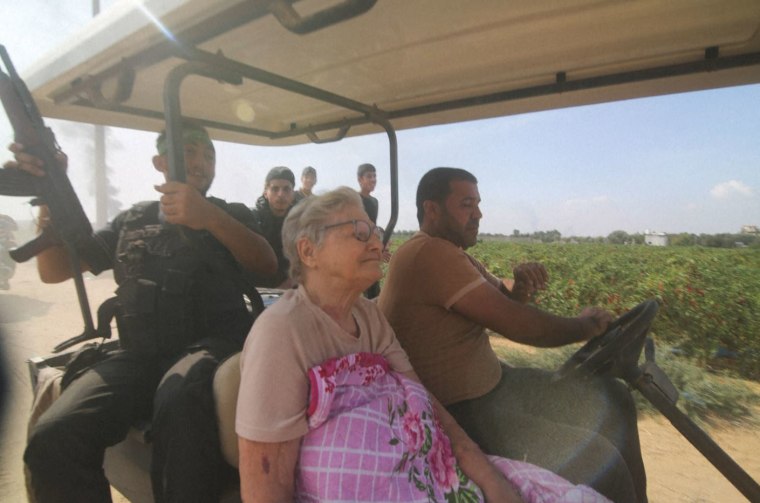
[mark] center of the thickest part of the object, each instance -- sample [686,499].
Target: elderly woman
[329,407]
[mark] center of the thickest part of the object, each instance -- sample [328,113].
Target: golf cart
[280,72]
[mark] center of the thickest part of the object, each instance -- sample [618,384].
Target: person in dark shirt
[270,212]
[367,176]
[308,181]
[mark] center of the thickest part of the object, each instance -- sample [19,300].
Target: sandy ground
[34,317]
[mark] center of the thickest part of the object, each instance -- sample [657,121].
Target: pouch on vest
[137,298]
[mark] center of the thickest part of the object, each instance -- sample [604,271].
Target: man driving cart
[440,301]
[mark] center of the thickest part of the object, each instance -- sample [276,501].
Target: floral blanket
[374,437]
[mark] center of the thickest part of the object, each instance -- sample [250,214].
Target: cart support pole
[699,439]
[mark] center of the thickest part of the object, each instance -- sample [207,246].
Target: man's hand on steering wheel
[616,348]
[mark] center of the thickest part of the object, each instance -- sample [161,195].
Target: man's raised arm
[184,205]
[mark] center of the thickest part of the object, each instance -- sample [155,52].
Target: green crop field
[709,297]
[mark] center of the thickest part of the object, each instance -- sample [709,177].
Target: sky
[679,163]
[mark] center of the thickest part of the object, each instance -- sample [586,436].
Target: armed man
[178,263]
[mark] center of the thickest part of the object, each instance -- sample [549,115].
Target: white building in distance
[655,238]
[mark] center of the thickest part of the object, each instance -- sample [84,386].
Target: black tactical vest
[176,285]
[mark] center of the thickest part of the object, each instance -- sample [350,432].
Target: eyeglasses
[363,230]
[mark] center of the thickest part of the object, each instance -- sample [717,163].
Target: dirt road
[34,317]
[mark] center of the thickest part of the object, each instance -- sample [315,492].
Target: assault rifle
[70,225]
[54,189]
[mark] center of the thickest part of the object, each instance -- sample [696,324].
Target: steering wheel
[616,351]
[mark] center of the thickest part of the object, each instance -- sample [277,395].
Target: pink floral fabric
[374,437]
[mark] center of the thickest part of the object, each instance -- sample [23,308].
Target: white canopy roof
[414,62]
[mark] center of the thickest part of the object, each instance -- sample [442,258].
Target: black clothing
[371,206]
[373,291]
[584,430]
[176,285]
[181,312]
[299,196]
[184,408]
[270,227]
[66,447]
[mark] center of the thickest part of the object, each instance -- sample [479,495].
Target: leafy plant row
[709,298]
